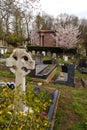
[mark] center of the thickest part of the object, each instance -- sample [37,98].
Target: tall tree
[83,28]
[65,19]
[44,22]
[14,16]
[34,35]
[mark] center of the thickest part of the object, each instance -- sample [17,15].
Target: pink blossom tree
[67,37]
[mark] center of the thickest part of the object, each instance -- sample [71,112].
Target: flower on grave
[31,110]
[0,112]
[38,102]
[52,95]
[40,83]
[9,113]
[44,115]
[37,89]
[46,123]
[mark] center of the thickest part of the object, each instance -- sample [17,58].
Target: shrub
[11,117]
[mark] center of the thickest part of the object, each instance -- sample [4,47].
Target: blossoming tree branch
[67,37]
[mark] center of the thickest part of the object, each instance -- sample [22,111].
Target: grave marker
[38,59]
[20,63]
[67,75]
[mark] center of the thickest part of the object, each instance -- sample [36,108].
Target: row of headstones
[50,54]
[39,59]
[44,53]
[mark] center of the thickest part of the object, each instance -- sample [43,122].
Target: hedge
[52,49]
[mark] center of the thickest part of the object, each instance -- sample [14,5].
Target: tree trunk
[86,51]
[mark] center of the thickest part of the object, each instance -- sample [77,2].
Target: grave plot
[43,72]
[66,76]
[42,104]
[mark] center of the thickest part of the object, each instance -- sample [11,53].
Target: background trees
[44,21]
[19,22]
[83,28]
[15,17]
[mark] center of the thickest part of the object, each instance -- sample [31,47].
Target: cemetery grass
[72,109]
[71,113]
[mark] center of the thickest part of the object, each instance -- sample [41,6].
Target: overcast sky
[71,7]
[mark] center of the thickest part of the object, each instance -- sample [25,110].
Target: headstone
[54,56]
[67,75]
[38,59]
[3,50]
[38,52]
[84,83]
[65,58]
[71,73]
[49,53]
[43,53]
[33,52]
[20,63]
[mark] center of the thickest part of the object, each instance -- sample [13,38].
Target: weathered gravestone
[43,53]
[38,59]
[33,52]
[65,58]
[49,54]
[54,56]
[20,63]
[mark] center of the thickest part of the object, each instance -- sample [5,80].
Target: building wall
[46,39]
[1,43]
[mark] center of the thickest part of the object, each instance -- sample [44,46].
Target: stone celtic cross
[20,63]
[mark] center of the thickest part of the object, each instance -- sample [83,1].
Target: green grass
[79,103]
[80,75]
[6,74]
[72,109]
[60,60]
[47,58]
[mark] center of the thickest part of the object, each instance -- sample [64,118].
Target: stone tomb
[43,72]
[66,76]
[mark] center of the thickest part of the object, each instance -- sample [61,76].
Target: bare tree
[15,16]
[83,28]
[65,19]
[44,22]
[34,35]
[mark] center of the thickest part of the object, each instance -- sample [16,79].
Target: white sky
[71,7]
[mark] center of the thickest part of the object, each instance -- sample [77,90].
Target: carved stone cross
[20,63]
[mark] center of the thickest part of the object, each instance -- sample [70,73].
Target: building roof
[46,31]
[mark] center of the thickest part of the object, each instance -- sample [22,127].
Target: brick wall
[46,39]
